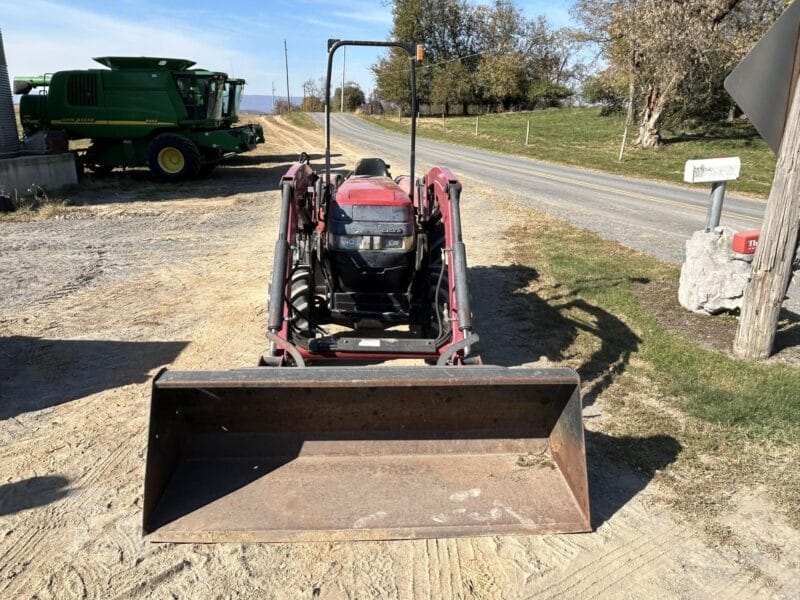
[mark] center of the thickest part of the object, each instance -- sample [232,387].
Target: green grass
[760,399]
[301,119]
[584,138]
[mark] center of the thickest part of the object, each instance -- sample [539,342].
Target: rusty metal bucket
[364,453]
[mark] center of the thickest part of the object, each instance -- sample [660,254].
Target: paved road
[653,217]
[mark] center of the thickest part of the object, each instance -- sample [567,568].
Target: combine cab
[318,443]
[141,111]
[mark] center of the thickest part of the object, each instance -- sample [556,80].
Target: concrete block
[49,171]
[713,278]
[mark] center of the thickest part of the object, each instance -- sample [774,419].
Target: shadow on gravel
[32,492]
[621,467]
[226,180]
[517,326]
[36,373]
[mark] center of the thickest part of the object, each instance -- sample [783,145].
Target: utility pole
[772,265]
[273,98]
[286,58]
[766,85]
[344,56]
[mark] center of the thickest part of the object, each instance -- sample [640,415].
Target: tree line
[661,60]
[487,55]
[667,59]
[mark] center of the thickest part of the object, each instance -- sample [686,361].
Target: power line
[444,62]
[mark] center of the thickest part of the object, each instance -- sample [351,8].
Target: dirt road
[97,298]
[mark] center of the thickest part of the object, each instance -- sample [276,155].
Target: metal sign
[712,170]
[762,84]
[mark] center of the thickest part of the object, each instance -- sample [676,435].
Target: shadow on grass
[37,373]
[31,493]
[517,326]
[714,133]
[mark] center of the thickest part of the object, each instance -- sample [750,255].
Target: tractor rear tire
[439,286]
[172,157]
[300,304]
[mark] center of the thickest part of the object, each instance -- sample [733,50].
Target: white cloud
[43,36]
[381,17]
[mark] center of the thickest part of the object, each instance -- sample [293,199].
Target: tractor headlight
[393,244]
[371,242]
[350,242]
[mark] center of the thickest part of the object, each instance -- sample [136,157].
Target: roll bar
[414,54]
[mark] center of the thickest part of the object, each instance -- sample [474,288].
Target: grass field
[584,138]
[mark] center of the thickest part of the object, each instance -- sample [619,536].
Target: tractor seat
[371,167]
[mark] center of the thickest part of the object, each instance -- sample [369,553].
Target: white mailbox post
[717,172]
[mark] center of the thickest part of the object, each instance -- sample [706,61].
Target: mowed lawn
[583,138]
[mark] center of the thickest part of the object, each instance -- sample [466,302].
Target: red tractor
[381,257]
[296,450]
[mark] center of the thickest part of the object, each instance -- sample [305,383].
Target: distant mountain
[256,103]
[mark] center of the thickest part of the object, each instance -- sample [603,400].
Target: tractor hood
[375,191]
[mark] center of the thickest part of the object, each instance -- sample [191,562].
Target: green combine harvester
[158,112]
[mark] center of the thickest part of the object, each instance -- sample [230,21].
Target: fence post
[528,132]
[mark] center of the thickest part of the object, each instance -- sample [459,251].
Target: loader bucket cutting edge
[364,453]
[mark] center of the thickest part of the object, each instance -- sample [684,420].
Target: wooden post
[528,132]
[476,124]
[444,127]
[772,266]
[628,116]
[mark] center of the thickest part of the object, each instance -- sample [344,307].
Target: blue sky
[241,37]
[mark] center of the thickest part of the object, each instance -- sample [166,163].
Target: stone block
[713,278]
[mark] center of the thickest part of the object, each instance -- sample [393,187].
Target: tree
[312,97]
[353,97]
[446,28]
[481,53]
[607,90]
[452,83]
[502,78]
[544,94]
[670,49]
[391,78]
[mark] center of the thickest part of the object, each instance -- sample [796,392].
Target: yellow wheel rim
[171,160]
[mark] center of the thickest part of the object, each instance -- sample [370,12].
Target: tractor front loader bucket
[364,453]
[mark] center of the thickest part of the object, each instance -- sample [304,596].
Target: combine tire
[172,157]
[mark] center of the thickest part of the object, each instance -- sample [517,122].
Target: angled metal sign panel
[762,83]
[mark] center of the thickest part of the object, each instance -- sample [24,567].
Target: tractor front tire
[172,157]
